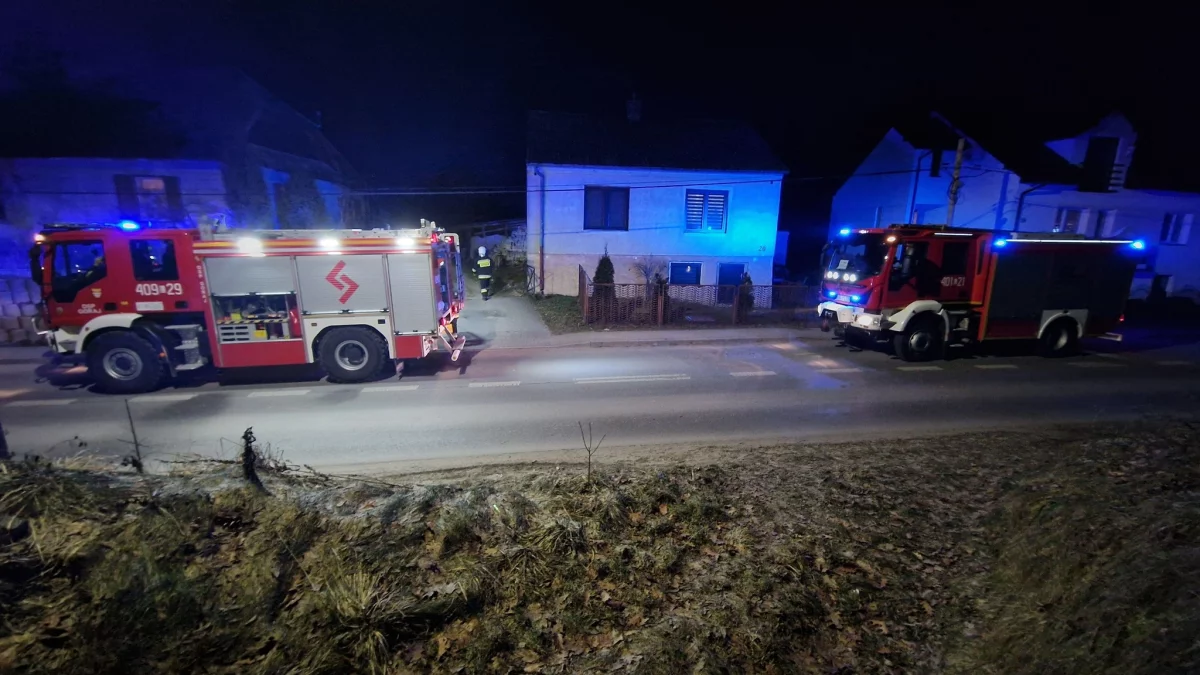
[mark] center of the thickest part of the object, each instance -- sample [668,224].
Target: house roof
[564,138]
[1026,156]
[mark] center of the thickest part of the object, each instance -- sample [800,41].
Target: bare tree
[649,268]
[589,447]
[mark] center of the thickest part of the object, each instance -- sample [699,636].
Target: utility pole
[954,184]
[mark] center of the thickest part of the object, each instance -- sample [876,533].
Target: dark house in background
[225,152]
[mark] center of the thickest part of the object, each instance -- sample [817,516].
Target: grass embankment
[560,313]
[1000,553]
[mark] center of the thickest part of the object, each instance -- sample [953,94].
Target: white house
[696,200]
[1088,184]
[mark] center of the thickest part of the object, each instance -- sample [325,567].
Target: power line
[502,190]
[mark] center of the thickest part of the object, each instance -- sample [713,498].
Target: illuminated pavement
[505,401]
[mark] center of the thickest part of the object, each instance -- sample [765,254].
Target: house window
[1106,224]
[1175,228]
[605,208]
[1067,220]
[684,273]
[706,210]
[152,198]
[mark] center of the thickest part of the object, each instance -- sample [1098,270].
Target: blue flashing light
[831,294]
[129,226]
[1000,243]
[845,232]
[1138,245]
[855,298]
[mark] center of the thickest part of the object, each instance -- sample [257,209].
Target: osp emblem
[341,282]
[96,292]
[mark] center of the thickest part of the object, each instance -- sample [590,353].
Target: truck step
[185,327]
[188,344]
[192,366]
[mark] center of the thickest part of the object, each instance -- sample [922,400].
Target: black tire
[352,354]
[125,363]
[920,341]
[1061,338]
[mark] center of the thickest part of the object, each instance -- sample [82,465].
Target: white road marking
[1106,355]
[995,366]
[1095,364]
[754,373]
[917,368]
[618,379]
[279,392]
[514,383]
[50,401]
[1173,363]
[163,398]
[840,370]
[390,387]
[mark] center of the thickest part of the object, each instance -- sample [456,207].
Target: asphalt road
[501,401]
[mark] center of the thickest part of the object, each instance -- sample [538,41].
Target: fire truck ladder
[189,344]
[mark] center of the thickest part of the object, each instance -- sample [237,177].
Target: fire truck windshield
[861,254]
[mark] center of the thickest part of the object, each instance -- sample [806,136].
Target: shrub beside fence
[663,304]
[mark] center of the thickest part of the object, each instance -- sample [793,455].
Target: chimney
[633,109]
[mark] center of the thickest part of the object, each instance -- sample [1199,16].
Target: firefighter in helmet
[483,270]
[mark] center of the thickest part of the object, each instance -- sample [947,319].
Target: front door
[729,276]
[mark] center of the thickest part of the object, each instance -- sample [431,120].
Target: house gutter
[1021,204]
[537,171]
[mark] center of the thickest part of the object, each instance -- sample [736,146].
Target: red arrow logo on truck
[341,282]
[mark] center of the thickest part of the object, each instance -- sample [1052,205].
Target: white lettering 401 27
[172,288]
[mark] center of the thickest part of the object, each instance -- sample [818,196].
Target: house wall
[894,181]
[1130,214]
[656,234]
[880,190]
[40,191]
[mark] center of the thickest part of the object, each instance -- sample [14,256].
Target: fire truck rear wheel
[921,341]
[124,363]
[1061,338]
[352,354]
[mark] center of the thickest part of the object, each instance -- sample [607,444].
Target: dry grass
[977,554]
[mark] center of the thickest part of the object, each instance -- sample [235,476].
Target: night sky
[429,95]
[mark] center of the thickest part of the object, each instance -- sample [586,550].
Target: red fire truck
[143,304]
[923,288]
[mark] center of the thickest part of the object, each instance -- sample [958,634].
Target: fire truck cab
[143,304]
[923,288]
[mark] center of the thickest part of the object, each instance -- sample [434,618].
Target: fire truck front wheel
[124,363]
[921,341]
[352,354]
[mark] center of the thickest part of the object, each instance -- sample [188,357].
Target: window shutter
[127,198]
[714,213]
[695,210]
[174,198]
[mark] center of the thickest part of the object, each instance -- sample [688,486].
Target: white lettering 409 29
[171,288]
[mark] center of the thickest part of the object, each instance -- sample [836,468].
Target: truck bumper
[842,318]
